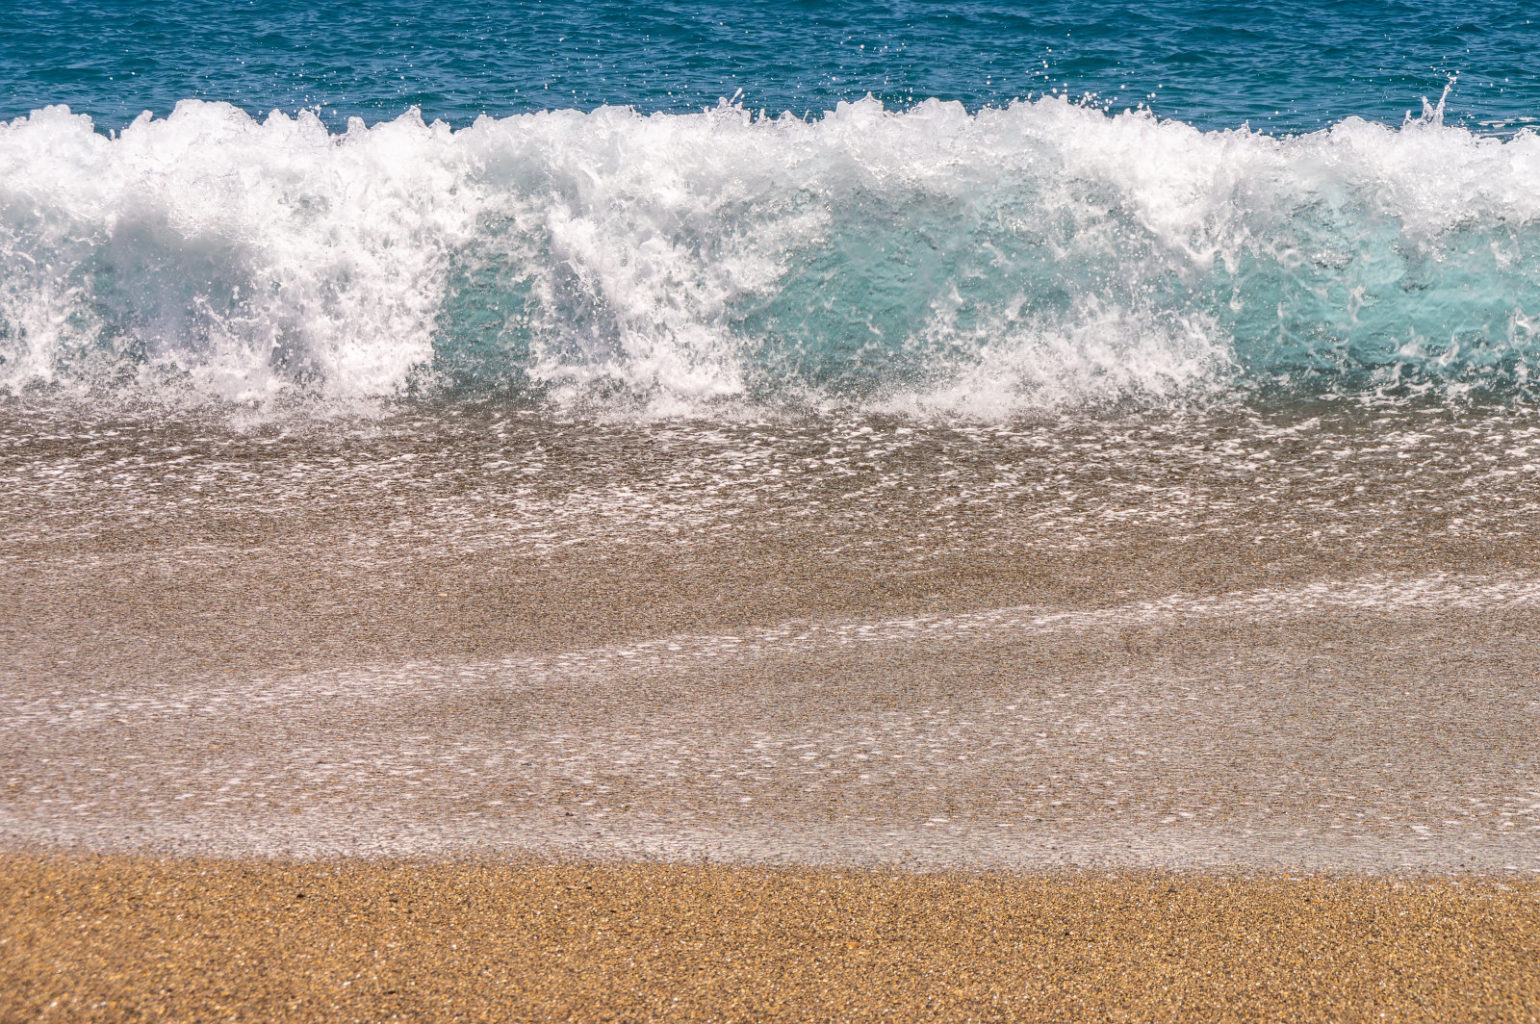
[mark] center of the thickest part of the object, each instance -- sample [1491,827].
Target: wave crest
[1045,253]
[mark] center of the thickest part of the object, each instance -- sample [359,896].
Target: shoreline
[1148,676]
[94,937]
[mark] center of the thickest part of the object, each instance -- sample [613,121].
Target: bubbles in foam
[928,259]
[239,258]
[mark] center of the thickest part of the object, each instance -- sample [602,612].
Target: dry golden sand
[109,939]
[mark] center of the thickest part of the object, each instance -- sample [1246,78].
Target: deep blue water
[970,207]
[1286,67]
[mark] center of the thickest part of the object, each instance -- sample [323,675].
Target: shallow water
[1292,637]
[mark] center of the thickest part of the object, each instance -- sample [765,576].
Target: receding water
[783,433]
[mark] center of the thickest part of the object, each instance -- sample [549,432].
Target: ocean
[978,434]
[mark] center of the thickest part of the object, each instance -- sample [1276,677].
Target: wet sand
[90,939]
[1194,642]
[1294,729]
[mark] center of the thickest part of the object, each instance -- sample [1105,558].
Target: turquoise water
[975,209]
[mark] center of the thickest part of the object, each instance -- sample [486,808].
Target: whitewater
[1041,255]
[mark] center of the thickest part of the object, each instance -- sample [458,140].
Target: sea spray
[1039,255]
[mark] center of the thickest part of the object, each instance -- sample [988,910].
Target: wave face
[1044,254]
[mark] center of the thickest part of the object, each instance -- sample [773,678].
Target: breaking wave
[1044,254]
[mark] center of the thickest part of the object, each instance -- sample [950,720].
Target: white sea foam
[932,259]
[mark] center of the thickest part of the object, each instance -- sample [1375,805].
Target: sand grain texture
[119,939]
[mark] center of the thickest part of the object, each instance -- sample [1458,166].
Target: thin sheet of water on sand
[1240,639]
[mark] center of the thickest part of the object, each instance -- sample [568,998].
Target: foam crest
[931,259]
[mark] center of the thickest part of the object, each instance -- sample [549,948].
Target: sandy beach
[119,939]
[728,727]
[648,510]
